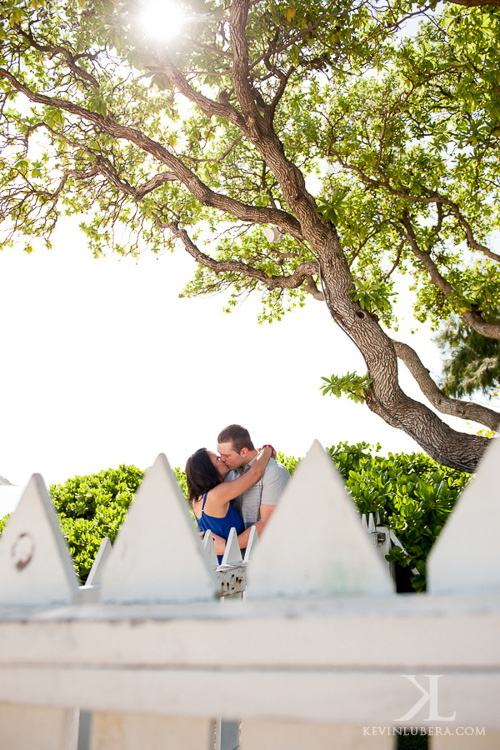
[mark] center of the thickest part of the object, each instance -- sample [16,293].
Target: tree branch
[200,191]
[54,50]
[470,236]
[301,274]
[452,406]
[439,200]
[473,318]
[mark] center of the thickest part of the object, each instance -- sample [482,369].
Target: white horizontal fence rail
[320,653]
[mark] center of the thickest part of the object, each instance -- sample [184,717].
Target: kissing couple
[237,487]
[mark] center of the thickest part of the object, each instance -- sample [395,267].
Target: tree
[285,124]
[473,361]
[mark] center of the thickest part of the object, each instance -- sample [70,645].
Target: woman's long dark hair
[201,474]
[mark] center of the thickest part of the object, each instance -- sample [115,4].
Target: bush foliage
[93,507]
[412,494]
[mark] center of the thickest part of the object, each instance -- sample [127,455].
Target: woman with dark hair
[211,496]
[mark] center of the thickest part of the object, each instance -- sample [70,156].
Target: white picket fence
[231,572]
[321,652]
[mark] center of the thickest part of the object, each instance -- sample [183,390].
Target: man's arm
[273,483]
[265,514]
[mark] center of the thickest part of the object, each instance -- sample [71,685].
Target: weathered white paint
[313,544]
[231,579]
[35,565]
[157,555]
[466,555]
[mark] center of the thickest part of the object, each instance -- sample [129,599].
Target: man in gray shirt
[257,504]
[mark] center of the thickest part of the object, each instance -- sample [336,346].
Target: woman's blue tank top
[221,526]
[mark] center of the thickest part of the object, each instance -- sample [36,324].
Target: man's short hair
[238,436]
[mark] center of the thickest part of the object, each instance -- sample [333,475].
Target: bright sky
[102,364]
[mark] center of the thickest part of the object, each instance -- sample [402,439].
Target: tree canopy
[364,135]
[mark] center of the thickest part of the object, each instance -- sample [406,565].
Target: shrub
[93,507]
[3,521]
[412,493]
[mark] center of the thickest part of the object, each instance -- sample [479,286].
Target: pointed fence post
[35,564]
[157,555]
[466,555]
[314,544]
[232,553]
[94,578]
[89,593]
[253,542]
[209,550]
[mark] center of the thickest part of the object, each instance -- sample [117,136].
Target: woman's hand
[273,452]
[219,544]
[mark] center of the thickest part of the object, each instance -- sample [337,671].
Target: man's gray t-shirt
[267,491]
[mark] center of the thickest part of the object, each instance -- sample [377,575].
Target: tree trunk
[385,396]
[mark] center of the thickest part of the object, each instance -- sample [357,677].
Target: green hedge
[412,493]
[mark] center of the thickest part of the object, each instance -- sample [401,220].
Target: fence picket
[314,544]
[94,578]
[113,731]
[35,564]
[253,542]
[209,550]
[232,553]
[466,555]
[276,735]
[157,555]
[37,728]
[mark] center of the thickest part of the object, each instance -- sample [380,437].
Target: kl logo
[429,696]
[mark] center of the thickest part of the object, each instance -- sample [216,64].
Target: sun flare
[162,19]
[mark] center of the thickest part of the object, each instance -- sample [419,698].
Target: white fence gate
[320,653]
